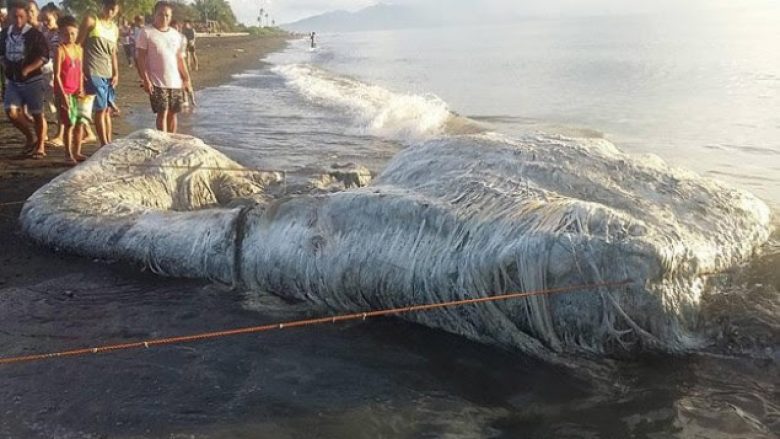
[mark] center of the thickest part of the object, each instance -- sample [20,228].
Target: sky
[286,11]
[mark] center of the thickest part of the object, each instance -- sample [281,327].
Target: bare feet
[90,138]
[81,157]
[71,161]
[38,150]
[29,146]
[55,143]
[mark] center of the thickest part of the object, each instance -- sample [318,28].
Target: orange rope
[299,323]
[12,203]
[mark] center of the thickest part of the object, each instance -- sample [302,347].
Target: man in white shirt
[161,65]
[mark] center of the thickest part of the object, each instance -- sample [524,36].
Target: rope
[12,203]
[299,323]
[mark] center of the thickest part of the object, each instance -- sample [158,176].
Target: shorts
[191,48]
[101,88]
[79,110]
[29,94]
[166,99]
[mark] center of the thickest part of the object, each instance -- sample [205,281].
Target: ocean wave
[372,109]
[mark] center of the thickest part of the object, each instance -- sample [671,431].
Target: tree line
[197,11]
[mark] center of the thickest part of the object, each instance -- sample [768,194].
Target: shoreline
[20,178]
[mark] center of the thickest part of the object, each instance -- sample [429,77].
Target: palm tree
[260,18]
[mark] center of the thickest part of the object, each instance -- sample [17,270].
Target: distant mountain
[377,17]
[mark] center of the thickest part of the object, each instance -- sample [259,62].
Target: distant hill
[377,17]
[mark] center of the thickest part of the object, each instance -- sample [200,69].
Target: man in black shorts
[164,74]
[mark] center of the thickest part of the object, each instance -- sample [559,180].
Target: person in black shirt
[23,52]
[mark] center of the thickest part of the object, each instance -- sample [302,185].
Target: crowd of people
[54,61]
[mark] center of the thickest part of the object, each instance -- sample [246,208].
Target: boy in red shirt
[69,86]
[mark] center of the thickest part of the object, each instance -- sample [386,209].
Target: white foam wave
[374,110]
[247,75]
